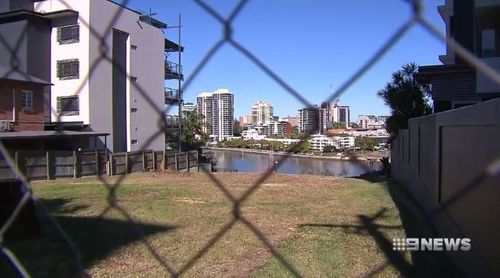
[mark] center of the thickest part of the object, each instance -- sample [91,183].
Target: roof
[422,70]
[425,73]
[48,134]
[8,74]
[142,17]
[23,14]
[152,21]
[171,46]
[205,94]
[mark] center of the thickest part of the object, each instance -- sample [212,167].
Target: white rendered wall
[78,51]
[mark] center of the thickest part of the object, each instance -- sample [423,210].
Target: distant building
[204,108]
[371,121]
[328,109]
[344,115]
[344,142]
[319,142]
[276,128]
[312,120]
[262,112]
[382,119]
[252,134]
[217,109]
[293,120]
[189,107]
[336,113]
[245,121]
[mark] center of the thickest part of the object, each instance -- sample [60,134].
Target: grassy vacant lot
[323,226]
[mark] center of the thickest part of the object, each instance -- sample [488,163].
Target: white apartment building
[189,107]
[252,134]
[371,121]
[125,100]
[204,108]
[319,142]
[262,113]
[344,142]
[217,109]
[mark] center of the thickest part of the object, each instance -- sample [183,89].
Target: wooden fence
[37,165]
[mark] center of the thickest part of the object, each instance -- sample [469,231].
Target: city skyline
[315,48]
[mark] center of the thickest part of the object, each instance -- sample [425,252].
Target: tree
[191,127]
[295,134]
[406,97]
[338,125]
[329,149]
[365,143]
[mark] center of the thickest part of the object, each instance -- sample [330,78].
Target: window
[68,69]
[488,43]
[27,100]
[68,106]
[68,34]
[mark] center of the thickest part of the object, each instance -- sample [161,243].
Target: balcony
[171,96]
[172,121]
[173,71]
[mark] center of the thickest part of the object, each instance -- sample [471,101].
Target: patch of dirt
[189,200]
[279,185]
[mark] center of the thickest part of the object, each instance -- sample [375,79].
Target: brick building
[22,102]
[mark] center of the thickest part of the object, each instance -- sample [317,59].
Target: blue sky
[315,45]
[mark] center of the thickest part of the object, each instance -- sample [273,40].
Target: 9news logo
[431,244]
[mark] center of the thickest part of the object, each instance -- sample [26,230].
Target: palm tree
[406,97]
[192,125]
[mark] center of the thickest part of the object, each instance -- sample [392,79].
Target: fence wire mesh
[226,24]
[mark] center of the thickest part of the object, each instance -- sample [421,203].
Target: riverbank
[341,157]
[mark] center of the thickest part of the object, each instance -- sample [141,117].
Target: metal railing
[171,95]
[173,70]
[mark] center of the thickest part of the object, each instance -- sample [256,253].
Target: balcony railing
[172,121]
[171,95]
[173,70]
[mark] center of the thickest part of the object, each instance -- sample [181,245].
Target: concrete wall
[447,161]
[145,69]
[484,83]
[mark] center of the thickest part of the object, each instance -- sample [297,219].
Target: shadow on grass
[422,264]
[416,225]
[95,237]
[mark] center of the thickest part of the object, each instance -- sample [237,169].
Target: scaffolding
[173,96]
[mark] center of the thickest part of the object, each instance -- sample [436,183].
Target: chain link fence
[226,24]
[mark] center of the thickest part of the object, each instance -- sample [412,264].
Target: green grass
[323,226]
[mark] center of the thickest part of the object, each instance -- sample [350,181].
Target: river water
[250,162]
